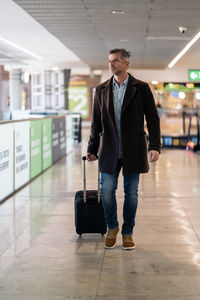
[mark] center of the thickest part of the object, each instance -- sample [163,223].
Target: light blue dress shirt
[118,97]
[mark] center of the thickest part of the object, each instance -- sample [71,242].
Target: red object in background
[8,101]
[190,145]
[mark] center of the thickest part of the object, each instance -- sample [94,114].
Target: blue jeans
[108,189]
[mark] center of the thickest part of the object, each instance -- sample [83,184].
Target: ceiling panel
[148,28]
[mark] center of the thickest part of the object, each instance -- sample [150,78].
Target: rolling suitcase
[89,213]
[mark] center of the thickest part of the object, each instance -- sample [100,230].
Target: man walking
[118,137]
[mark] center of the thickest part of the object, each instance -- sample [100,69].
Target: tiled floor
[42,258]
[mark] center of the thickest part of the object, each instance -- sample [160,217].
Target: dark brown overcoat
[138,102]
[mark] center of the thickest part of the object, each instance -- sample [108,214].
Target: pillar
[15,91]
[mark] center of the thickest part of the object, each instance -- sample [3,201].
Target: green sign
[47,143]
[36,147]
[194,75]
[78,100]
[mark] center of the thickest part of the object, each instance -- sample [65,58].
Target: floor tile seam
[139,258]
[169,196]
[52,243]
[160,197]
[101,268]
[108,296]
[29,197]
[53,215]
[191,224]
[57,221]
[36,199]
[68,256]
[17,236]
[49,295]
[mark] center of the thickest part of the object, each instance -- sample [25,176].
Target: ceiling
[26,44]
[148,28]
[8,55]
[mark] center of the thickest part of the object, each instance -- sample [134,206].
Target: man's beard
[116,72]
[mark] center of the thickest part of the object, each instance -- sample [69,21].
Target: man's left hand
[153,155]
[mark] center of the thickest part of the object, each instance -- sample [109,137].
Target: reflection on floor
[42,258]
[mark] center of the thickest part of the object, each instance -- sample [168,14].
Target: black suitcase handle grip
[85,158]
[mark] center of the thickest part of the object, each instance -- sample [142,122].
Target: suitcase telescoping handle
[84,181]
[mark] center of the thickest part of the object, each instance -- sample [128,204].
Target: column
[66,84]
[15,91]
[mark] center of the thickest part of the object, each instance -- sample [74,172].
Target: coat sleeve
[96,127]
[152,119]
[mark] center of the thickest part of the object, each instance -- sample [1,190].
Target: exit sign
[194,75]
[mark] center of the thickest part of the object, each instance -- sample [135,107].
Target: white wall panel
[6,160]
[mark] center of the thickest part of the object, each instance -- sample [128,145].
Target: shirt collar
[124,83]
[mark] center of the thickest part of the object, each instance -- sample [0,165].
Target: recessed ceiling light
[119,12]
[154,82]
[123,40]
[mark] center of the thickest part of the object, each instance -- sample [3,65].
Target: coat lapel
[128,97]
[130,92]
[106,95]
[108,98]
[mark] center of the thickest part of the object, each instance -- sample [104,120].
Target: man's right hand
[91,157]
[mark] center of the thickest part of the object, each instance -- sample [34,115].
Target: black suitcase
[89,213]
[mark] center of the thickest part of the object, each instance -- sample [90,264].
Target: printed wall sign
[22,153]
[55,139]
[78,100]
[58,138]
[62,136]
[69,139]
[6,160]
[36,147]
[47,143]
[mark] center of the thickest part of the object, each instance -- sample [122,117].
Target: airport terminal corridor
[42,257]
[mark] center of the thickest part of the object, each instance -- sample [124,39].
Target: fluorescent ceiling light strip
[187,47]
[166,38]
[20,48]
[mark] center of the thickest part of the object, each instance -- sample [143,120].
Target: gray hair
[124,53]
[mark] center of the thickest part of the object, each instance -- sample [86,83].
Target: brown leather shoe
[110,240]
[128,243]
